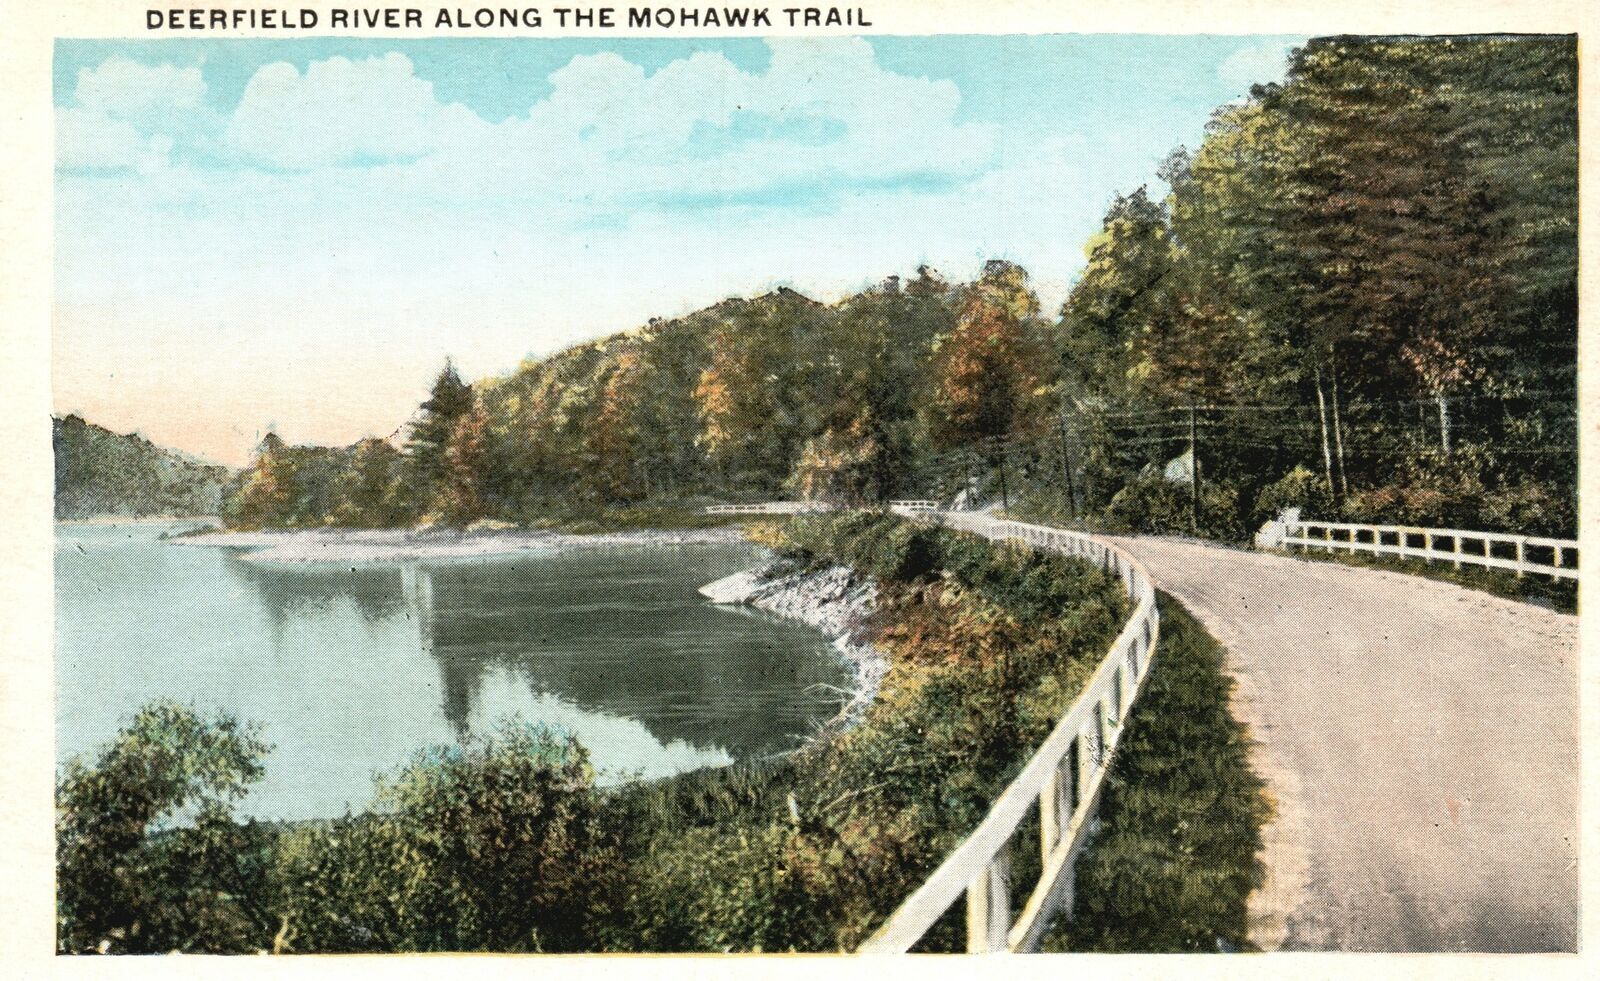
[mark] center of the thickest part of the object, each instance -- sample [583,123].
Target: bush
[1299,488]
[1158,506]
[148,858]
[497,845]
[987,648]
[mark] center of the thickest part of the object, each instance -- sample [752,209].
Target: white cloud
[341,111]
[88,138]
[125,89]
[610,136]
[129,115]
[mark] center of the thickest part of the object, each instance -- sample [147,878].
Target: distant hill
[102,474]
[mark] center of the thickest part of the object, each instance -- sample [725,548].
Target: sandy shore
[396,545]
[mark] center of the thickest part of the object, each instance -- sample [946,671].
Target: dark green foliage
[495,845]
[426,448]
[1367,271]
[1175,858]
[1154,504]
[102,474]
[148,857]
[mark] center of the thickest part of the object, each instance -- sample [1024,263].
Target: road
[1420,741]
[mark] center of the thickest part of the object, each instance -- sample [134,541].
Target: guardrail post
[1049,816]
[1086,762]
[1458,551]
[1427,547]
[989,907]
[1521,555]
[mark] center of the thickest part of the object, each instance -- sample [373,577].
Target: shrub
[1299,488]
[495,845]
[148,858]
[1156,505]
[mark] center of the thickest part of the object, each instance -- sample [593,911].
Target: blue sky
[294,234]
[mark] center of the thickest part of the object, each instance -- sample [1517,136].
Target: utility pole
[1066,469]
[1005,497]
[1194,476]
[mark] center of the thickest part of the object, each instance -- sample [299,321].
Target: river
[350,670]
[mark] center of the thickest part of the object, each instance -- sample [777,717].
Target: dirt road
[1420,741]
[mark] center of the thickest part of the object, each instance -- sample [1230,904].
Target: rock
[737,588]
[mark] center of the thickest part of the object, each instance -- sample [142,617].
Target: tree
[457,500]
[130,876]
[367,492]
[450,399]
[986,368]
[266,494]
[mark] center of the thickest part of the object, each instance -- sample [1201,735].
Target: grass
[1558,594]
[1174,861]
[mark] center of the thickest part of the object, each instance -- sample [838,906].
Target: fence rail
[1522,554]
[769,507]
[1061,784]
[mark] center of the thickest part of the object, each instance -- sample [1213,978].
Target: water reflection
[621,633]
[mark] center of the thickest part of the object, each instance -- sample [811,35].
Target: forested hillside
[1360,296]
[102,474]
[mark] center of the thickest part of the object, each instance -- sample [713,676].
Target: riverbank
[835,601]
[346,545]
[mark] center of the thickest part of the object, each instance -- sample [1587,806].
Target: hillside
[1359,297]
[102,474]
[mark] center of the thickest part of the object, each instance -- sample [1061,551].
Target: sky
[257,235]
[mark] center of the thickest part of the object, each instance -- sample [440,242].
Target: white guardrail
[770,507]
[1062,781]
[1523,554]
[809,507]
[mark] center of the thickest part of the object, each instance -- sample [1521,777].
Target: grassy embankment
[1175,858]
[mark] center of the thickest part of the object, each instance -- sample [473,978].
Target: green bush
[148,857]
[495,845]
[1299,488]
[1155,505]
[813,853]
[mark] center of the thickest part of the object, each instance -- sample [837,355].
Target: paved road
[1420,741]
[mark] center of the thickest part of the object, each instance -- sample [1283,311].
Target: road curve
[1420,741]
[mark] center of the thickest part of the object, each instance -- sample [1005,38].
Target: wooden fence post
[989,908]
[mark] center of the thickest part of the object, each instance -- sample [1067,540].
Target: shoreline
[832,601]
[346,545]
[209,520]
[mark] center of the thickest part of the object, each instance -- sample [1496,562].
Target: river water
[352,670]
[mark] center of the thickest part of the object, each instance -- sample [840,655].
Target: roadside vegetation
[1174,862]
[505,842]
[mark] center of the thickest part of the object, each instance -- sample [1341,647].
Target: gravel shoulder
[1420,741]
